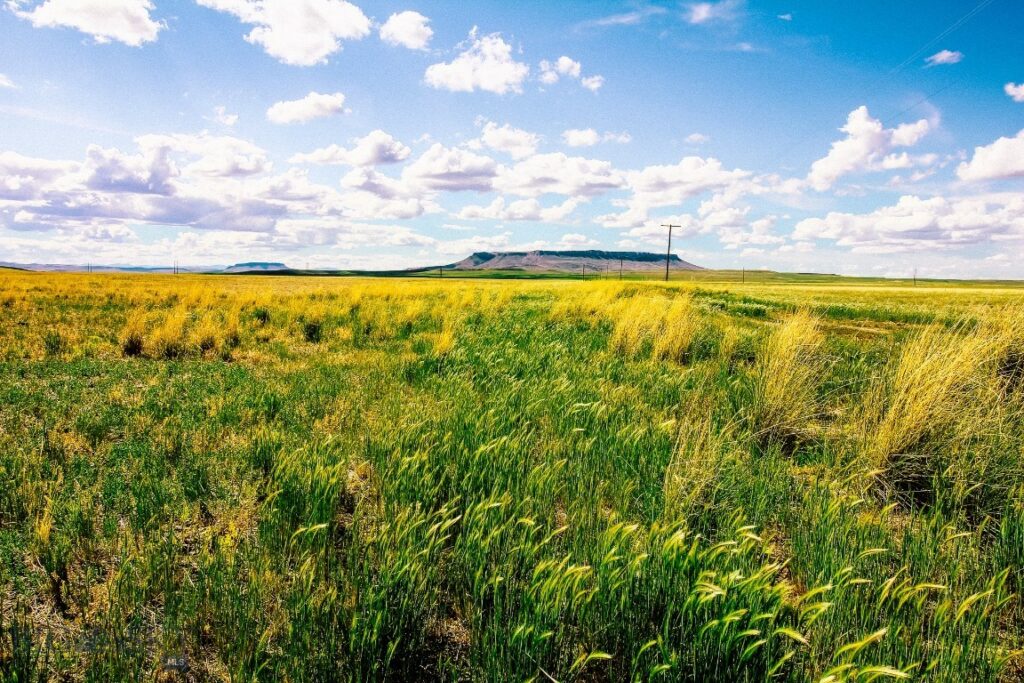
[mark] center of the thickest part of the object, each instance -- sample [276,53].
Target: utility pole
[668,253]
[620,269]
[915,277]
[584,272]
[440,272]
[744,275]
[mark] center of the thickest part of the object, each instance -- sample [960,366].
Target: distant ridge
[569,261]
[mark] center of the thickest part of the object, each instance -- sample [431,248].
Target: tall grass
[310,479]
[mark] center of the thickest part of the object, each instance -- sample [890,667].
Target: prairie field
[240,478]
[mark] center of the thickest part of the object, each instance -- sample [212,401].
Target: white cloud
[216,155]
[588,137]
[1004,158]
[706,12]
[759,232]
[864,148]
[25,178]
[221,116]
[697,138]
[521,210]
[581,137]
[297,32]
[375,148]
[671,185]
[126,21]
[454,170]
[575,241]
[788,16]
[1015,91]
[944,57]
[374,195]
[556,173]
[922,223]
[516,142]
[486,63]
[552,72]
[408,29]
[313,106]
[626,18]
[563,66]
[6,82]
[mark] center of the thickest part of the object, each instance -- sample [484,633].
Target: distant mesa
[256,267]
[570,261]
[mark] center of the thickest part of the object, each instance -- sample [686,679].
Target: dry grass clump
[941,407]
[170,340]
[133,336]
[679,327]
[590,306]
[784,396]
[666,328]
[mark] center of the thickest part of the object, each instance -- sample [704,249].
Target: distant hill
[570,261]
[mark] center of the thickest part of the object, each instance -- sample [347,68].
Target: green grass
[332,491]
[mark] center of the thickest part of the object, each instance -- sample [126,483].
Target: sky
[867,138]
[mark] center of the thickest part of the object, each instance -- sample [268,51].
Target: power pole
[584,271]
[744,272]
[668,253]
[915,277]
[620,269]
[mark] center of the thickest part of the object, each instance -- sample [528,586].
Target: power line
[874,85]
[950,29]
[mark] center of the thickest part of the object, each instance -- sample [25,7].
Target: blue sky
[861,138]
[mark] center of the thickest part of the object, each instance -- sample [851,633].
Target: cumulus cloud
[6,82]
[485,63]
[23,178]
[671,185]
[864,148]
[588,137]
[313,106]
[1004,158]
[550,72]
[921,223]
[1015,91]
[944,57]
[515,142]
[557,173]
[372,194]
[124,21]
[567,67]
[198,181]
[521,210]
[407,29]
[576,241]
[376,148]
[296,32]
[756,233]
[697,139]
[454,170]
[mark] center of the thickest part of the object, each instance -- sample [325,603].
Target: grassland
[314,479]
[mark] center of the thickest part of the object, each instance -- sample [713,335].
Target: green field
[319,479]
